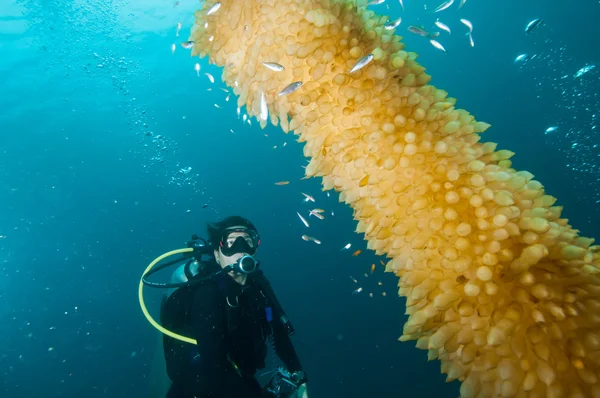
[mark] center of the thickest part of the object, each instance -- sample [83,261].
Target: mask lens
[239,240]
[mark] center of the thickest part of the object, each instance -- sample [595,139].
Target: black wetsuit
[231,338]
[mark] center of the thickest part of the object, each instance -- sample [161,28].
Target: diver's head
[232,239]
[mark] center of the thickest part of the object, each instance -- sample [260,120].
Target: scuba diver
[224,302]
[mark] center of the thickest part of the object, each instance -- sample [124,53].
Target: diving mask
[239,240]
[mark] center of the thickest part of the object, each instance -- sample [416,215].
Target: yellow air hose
[143,304]
[499,287]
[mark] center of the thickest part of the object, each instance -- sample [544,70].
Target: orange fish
[382,263]
[282,183]
[356,253]
[372,268]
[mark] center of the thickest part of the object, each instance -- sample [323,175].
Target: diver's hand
[302,391]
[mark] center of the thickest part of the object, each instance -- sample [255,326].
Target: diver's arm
[283,346]
[208,325]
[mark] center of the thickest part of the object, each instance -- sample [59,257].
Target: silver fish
[187,44]
[471,42]
[467,23]
[364,61]
[551,129]
[401,4]
[584,70]
[264,110]
[444,6]
[462,3]
[273,66]
[437,45]
[393,24]
[533,25]
[214,8]
[522,58]
[290,88]
[418,31]
[376,2]
[442,26]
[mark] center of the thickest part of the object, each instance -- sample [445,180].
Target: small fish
[471,42]
[382,263]
[364,61]
[462,3]
[308,197]
[290,88]
[204,206]
[353,280]
[224,90]
[217,106]
[360,289]
[401,4]
[197,69]
[418,31]
[173,47]
[273,66]
[214,8]
[522,58]
[310,238]
[444,6]
[244,118]
[318,210]
[210,77]
[443,26]
[264,110]
[178,28]
[175,4]
[356,253]
[303,220]
[393,24]
[372,268]
[533,25]
[376,2]
[437,45]
[318,215]
[282,183]
[468,24]
[249,122]
[227,98]
[584,70]
[551,129]
[187,44]
[346,247]
[238,111]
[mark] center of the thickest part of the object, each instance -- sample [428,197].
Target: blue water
[100,124]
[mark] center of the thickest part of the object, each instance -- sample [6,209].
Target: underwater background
[112,152]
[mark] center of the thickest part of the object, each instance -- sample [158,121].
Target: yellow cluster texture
[499,287]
